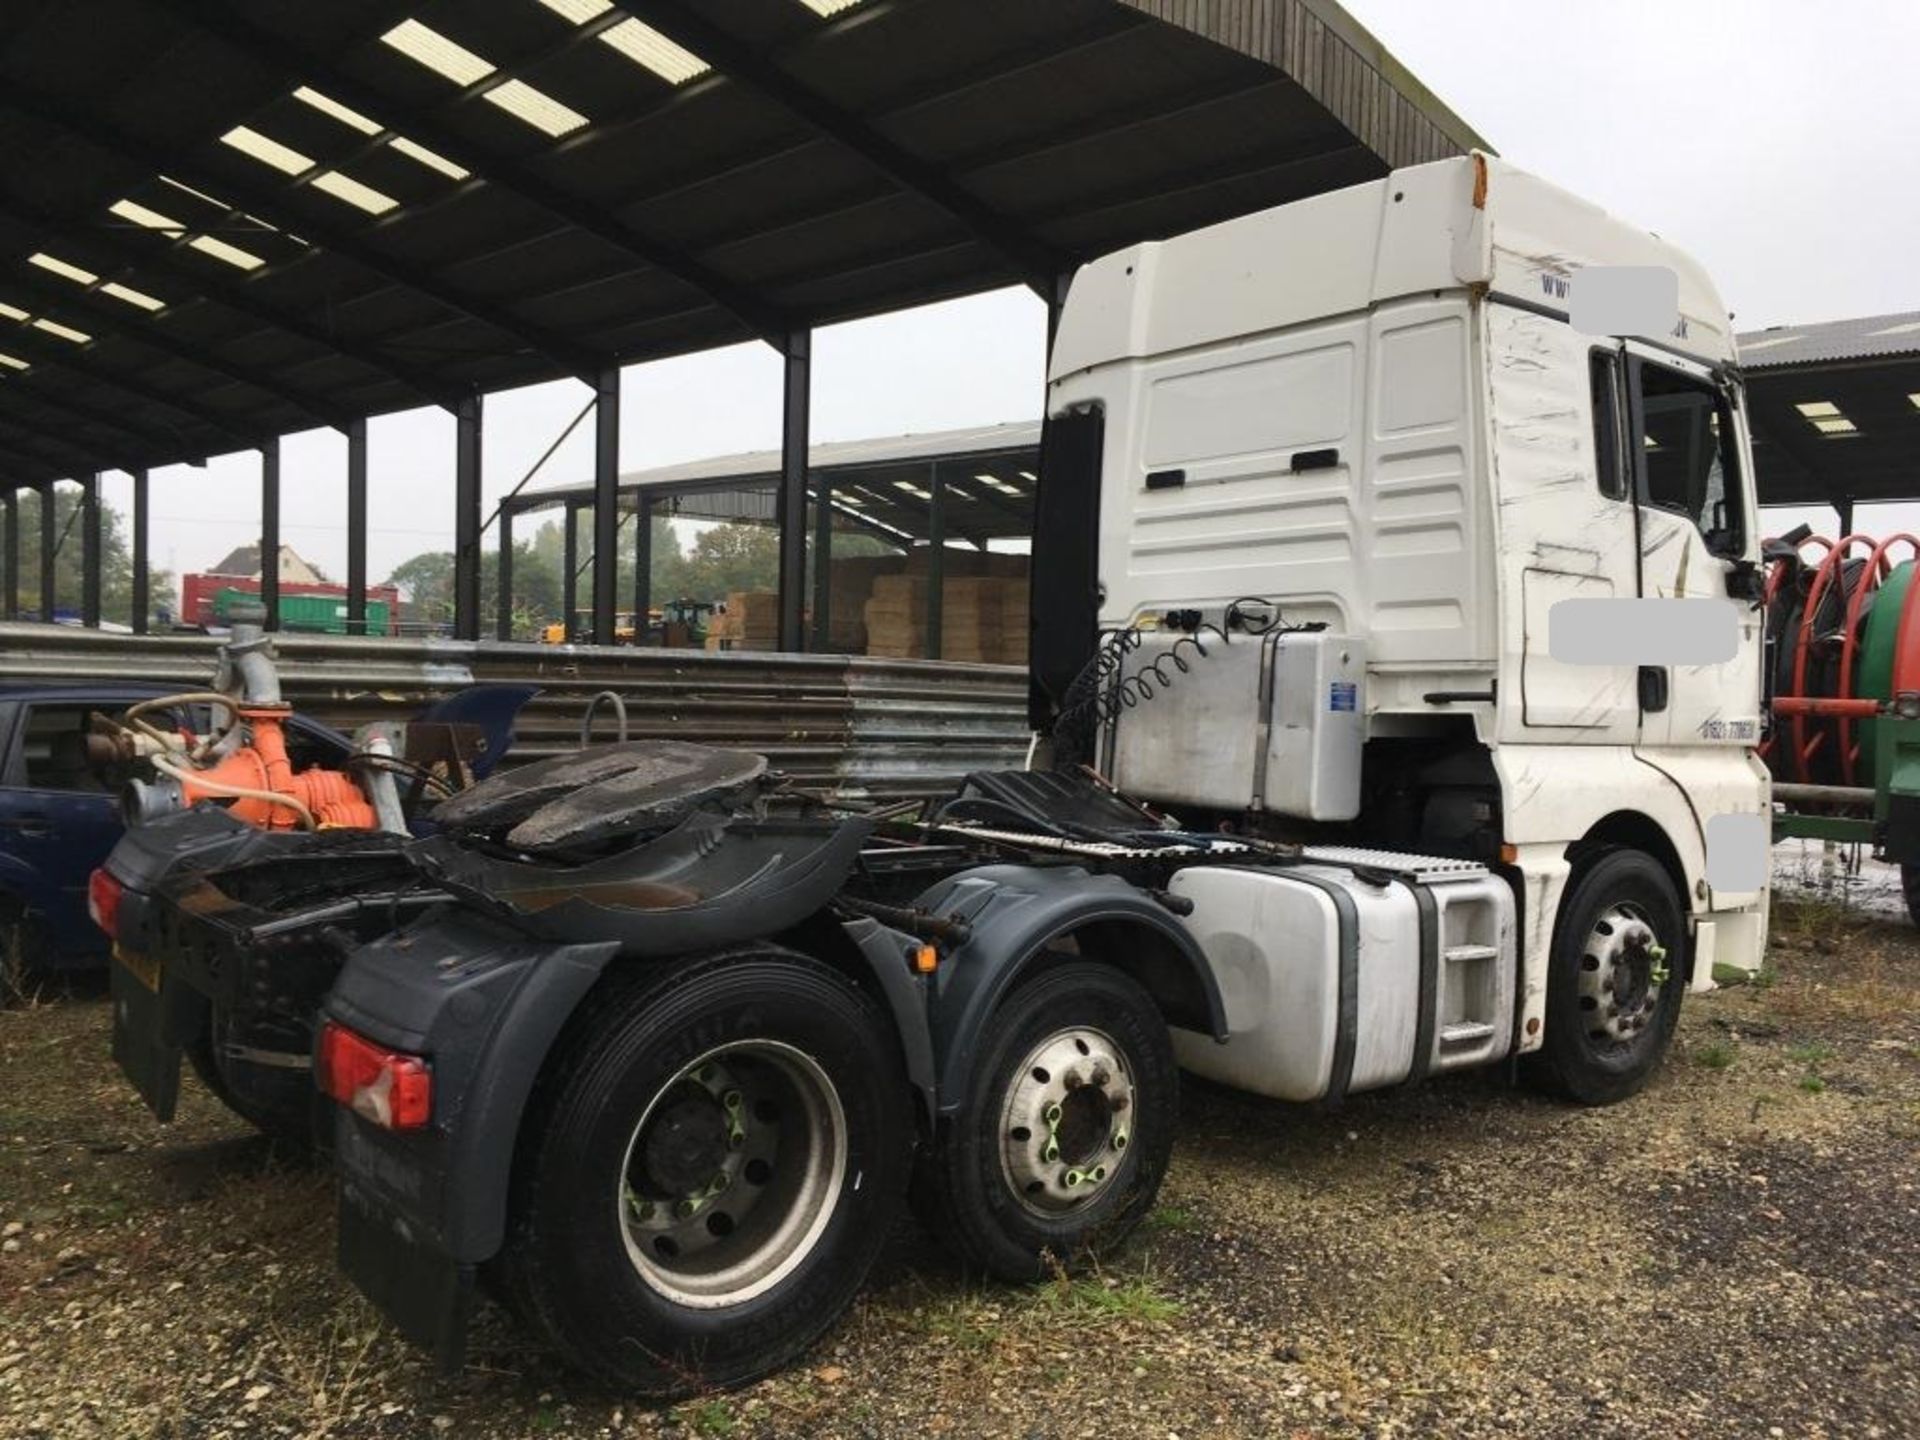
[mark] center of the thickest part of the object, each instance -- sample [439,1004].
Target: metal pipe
[606,503]
[270,532]
[467,419]
[90,551]
[142,605]
[357,528]
[822,564]
[1794,794]
[790,503]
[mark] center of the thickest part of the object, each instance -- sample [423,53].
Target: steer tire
[759,1067]
[985,1189]
[1579,1059]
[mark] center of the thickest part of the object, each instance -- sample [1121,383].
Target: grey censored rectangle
[1631,630]
[1737,851]
[1623,300]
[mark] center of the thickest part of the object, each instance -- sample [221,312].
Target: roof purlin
[30,100]
[262,45]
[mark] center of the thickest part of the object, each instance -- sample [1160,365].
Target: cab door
[1573,521]
[1694,498]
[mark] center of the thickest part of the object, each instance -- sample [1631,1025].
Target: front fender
[1014,912]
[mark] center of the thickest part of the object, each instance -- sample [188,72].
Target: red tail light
[103,902]
[392,1089]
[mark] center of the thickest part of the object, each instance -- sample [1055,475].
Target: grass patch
[1094,1297]
[1175,1218]
[1716,1054]
[1814,1052]
[712,1417]
[1812,1083]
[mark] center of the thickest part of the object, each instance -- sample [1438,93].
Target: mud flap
[150,1027]
[426,1294]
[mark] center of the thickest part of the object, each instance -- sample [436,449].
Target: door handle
[33,824]
[1653,689]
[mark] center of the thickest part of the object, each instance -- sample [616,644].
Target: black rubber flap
[601,792]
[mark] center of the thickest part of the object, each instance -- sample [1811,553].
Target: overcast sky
[1773,139]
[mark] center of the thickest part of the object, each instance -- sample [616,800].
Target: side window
[1606,424]
[52,753]
[1687,460]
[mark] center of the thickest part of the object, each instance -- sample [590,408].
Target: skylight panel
[1914,400]
[345,187]
[140,215]
[444,57]
[132,296]
[221,250]
[12,312]
[327,105]
[535,108]
[267,151]
[431,159]
[12,362]
[646,46]
[579,11]
[1836,425]
[1816,409]
[62,267]
[829,8]
[65,332]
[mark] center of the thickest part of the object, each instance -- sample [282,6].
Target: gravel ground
[1734,1253]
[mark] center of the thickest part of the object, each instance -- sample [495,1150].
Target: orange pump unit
[265,791]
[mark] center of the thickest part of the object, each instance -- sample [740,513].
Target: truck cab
[1354,450]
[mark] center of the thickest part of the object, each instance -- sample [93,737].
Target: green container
[307,614]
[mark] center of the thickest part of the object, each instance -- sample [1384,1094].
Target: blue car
[59,817]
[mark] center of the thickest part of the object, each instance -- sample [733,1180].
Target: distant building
[301,584]
[245,563]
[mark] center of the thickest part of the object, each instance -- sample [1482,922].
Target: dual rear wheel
[708,1174]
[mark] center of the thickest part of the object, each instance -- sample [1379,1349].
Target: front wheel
[1615,979]
[1910,890]
[709,1172]
[1066,1130]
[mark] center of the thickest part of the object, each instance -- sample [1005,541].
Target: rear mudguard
[1016,912]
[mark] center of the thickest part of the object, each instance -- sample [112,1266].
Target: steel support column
[570,578]
[357,528]
[823,566]
[48,546]
[467,417]
[643,566]
[270,531]
[790,507]
[90,551]
[606,504]
[936,558]
[10,542]
[142,604]
[503,595]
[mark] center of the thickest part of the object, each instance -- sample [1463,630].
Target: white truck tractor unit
[1327,794]
[1346,457]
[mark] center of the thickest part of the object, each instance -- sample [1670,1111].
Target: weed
[1812,1053]
[1812,1083]
[712,1417]
[1175,1218]
[1716,1054]
[1095,1297]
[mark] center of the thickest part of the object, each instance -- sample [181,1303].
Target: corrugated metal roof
[348,208]
[1868,337]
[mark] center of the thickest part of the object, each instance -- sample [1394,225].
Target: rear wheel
[1910,889]
[1068,1123]
[1615,980]
[709,1173]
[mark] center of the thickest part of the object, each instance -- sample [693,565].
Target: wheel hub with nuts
[732,1172]
[1067,1120]
[1623,970]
